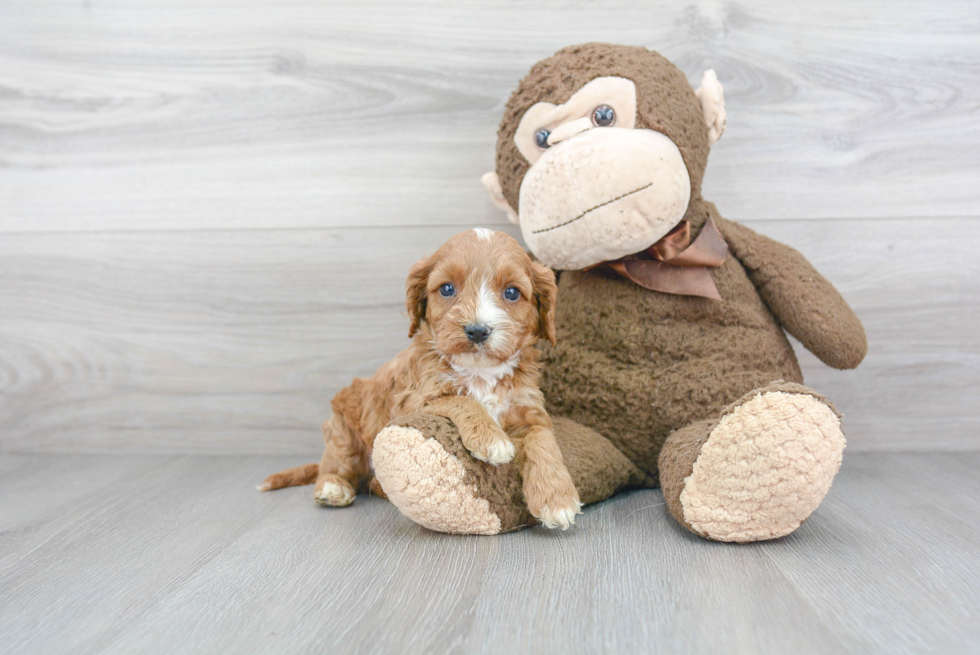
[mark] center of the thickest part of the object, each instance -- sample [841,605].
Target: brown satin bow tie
[675,265]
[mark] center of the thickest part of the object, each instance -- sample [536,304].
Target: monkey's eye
[447,290]
[603,116]
[541,138]
[512,293]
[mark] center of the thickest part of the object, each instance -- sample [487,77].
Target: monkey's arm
[803,301]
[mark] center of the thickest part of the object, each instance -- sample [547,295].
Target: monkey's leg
[758,471]
[428,473]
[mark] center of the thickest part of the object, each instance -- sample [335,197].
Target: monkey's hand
[802,300]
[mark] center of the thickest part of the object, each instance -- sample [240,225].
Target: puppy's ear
[417,294]
[546,291]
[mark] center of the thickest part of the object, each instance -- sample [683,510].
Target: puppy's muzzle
[477,333]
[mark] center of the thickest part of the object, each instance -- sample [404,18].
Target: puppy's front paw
[333,491]
[499,452]
[491,446]
[552,499]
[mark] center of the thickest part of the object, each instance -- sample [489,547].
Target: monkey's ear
[417,293]
[492,184]
[546,291]
[712,98]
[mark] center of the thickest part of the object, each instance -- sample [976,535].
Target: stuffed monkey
[672,368]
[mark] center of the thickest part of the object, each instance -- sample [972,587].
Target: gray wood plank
[179,555]
[38,489]
[234,342]
[310,114]
[879,592]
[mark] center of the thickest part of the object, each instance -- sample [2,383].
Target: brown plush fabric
[501,485]
[596,467]
[677,461]
[803,301]
[785,387]
[635,365]
[665,103]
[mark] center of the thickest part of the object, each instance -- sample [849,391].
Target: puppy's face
[482,298]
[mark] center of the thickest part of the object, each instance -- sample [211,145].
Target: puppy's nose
[476,333]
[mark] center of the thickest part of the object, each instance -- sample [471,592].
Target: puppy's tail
[294,477]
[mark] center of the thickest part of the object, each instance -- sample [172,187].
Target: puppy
[477,307]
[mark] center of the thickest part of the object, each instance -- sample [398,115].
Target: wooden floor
[178,554]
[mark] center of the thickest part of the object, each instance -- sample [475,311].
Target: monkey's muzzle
[619,190]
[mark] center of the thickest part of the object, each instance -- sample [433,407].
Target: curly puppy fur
[477,307]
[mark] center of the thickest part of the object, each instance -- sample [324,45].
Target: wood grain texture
[214,341]
[177,554]
[302,113]
[207,208]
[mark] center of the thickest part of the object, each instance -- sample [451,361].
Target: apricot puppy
[477,307]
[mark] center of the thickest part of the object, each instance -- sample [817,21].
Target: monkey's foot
[757,472]
[427,473]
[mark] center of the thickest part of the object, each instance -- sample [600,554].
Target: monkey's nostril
[477,333]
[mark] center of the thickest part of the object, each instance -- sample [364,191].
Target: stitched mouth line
[582,215]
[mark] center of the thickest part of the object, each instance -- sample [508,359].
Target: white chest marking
[480,383]
[491,402]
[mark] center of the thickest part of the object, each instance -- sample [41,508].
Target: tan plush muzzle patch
[601,195]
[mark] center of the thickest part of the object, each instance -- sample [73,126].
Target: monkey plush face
[601,150]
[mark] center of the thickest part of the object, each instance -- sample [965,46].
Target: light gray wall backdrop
[208,208]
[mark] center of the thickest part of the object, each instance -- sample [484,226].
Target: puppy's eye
[447,290]
[512,293]
[541,138]
[603,116]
